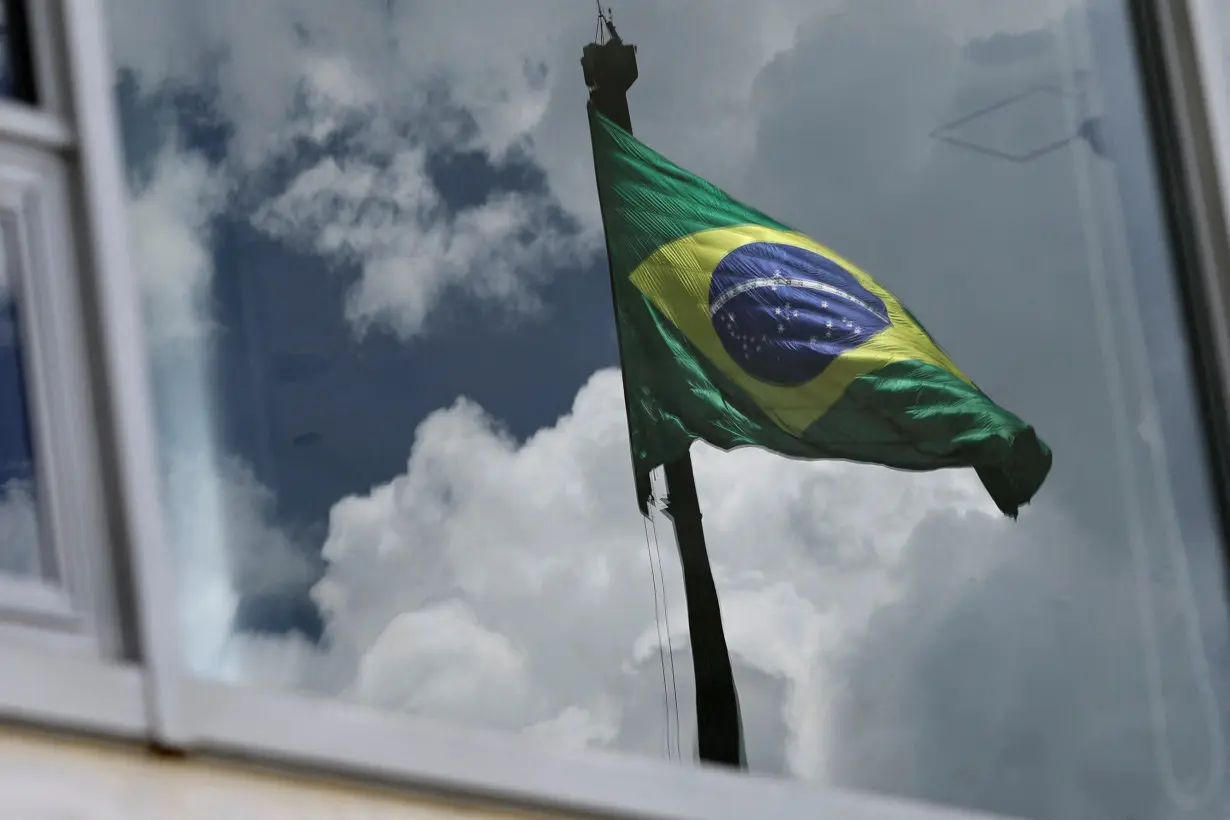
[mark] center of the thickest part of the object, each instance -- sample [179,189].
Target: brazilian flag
[737,330]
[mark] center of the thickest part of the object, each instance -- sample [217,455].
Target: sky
[395,457]
[19,544]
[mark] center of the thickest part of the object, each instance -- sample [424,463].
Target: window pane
[396,453]
[19,543]
[16,67]
[1215,25]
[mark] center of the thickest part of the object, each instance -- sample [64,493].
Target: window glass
[1221,21]
[16,68]
[19,543]
[396,455]
[1215,20]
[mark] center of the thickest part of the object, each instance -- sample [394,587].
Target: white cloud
[577,728]
[227,548]
[290,70]
[336,93]
[296,69]
[351,209]
[169,225]
[388,218]
[298,74]
[219,517]
[442,662]
[504,585]
[19,539]
[169,221]
[464,566]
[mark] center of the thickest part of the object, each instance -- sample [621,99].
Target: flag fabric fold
[739,331]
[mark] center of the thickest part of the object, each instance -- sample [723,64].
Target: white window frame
[36,242]
[1198,39]
[296,731]
[64,660]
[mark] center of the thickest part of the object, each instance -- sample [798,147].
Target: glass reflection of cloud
[1105,117]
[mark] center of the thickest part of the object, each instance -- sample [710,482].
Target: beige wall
[44,777]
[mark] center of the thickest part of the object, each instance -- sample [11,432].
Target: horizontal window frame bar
[34,127]
[71,692]
[37,602]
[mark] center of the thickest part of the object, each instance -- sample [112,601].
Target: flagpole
[610,70]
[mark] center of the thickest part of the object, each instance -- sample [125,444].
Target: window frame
[295,731]
[66,658]
[123,409]
[1189,103]
[34,237]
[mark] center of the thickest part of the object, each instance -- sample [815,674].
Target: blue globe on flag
[784,313]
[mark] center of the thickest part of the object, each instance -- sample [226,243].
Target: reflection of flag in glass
[737,330]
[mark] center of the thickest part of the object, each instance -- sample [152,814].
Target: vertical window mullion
[125,421]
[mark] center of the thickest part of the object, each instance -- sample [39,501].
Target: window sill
[334,738]
[67,690]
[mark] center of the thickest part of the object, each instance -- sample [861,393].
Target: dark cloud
[1024,691]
